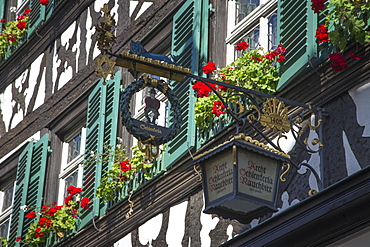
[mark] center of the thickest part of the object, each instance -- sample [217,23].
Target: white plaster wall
[176,224]
[34,74]
[149,231]
[352,164]
[6,105]
[124,242]
[208,224]
[133,5]
[360,95]
[18,117]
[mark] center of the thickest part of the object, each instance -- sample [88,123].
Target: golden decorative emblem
[105,30]
[151,151]
[274,115]
[153,67]
[101,71]
[105,40]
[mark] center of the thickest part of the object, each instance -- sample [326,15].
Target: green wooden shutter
[30,184]
[101,129]
[189,43]
[297,24]
[2,7]
[36,16]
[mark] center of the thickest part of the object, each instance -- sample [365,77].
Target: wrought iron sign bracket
[249,108]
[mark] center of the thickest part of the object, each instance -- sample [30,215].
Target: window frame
[258,18]
[69,168]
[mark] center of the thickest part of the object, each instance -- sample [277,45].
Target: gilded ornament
[287,165]
[314,127]
[100,71]
[274,115]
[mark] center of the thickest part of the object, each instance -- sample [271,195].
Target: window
[6,201]
[256,24]
[244,8]
[272,32]
[71,164]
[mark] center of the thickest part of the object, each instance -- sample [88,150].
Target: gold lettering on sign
[148,128]
[275,115]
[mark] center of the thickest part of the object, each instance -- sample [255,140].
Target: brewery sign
[241,179]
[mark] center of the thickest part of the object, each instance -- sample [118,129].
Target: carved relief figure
[151,107]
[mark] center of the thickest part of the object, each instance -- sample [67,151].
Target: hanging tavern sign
[241,178]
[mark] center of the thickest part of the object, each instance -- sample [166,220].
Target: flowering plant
[3,241]
[53,219]
[13,31]
[253,70]
[344,21]
[121,171]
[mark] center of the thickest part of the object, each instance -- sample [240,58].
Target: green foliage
[252,70]
[249,72]
[53,220]
[3,242]
[204,117]
[348,20]
[115,179]
[11,29]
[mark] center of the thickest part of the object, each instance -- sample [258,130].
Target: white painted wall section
[124,242]
[352,164]
[35,71]
[176,225]
[149,231]
[360,95]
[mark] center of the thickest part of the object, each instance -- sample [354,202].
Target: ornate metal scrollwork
[270,112]
[105,39]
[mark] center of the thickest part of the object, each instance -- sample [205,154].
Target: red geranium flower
[27,11]
[280,49]
[44,208]
[20,17]
[18,239]
[44,2]
[73,190]
[22,25]
[52,211]
[42,221]
[317,5]
[242,46]
[338,62]
[84,202]
[11,37]
[353,56]
[322,34]
[209,67]
[258,57]
[68,199]
[38,232]
[281,59]
[202,89]
[31,215]
[218,108]
[125,165]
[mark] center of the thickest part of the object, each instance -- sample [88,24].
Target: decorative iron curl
[125,101]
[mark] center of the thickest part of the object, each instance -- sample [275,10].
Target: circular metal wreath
[145,138]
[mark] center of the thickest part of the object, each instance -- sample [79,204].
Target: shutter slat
[296,28]
[31,173]
[102,123]
[37,16]
[188,31]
